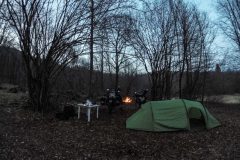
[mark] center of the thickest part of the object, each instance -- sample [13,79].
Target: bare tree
[193,41]
[172,40]
[7,62]
[6,38]
[130,75]
[154,45]
[119,52]
[98,10]
[50,34]
[230,20]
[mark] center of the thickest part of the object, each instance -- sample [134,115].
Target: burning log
[127,100]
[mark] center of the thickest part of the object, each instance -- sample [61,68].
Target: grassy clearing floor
[26,135]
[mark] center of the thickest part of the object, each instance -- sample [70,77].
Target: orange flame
[127,100]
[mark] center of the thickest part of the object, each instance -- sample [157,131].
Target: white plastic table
[88,107]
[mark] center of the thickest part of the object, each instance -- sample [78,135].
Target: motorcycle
[141,97]
[111,99]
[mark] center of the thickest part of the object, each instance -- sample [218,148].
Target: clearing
[26,135]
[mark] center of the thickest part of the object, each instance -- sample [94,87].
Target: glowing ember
[127,100]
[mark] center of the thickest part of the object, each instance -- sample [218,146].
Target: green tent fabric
[169,115]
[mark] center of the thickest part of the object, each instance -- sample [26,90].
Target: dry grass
[225,99]
[11,99]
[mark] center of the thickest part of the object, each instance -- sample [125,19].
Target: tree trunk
[117,70]
[102,83]
[38,85]
[154,86]
[90,92]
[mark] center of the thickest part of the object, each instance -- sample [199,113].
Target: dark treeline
[73,82]
[87,46]
[11,66]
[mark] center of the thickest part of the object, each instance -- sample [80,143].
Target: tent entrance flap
[196,118]
[194,113]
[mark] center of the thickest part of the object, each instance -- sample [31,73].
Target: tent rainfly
[169,115]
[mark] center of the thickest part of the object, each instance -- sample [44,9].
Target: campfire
[127,100]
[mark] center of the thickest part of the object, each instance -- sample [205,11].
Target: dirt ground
[28,135]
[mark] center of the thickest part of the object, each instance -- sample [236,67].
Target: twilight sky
[208,6]
[221,45]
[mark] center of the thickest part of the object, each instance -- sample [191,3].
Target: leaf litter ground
[27,135]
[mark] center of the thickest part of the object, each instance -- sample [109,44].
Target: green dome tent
[169,115]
